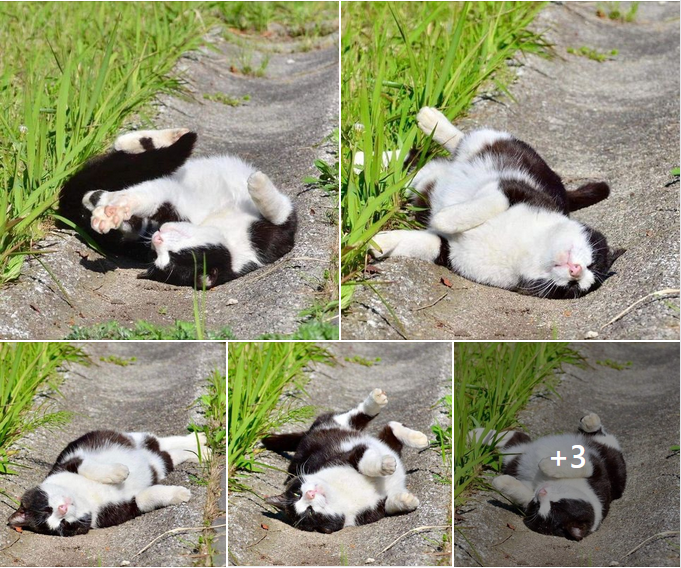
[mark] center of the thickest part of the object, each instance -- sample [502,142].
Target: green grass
[226,100]
[593,54]
[27,369]
[264,382]
[72,74]
[145,330]
[214,408]
[328,174]
[299,18]
[613,11]
[614,364]
[396,58]
[120,361]
[443,435]
[492,383]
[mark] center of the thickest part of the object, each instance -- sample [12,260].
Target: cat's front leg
[550,467]
[109,473]
[373,464]
[515,490]
[488,203]
[110,209]
[413,244]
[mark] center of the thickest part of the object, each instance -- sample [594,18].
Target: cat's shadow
[506,506]
[109,264]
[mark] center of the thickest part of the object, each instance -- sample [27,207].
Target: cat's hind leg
[359,417]
[272,204]
[158,496]
[191,448]
[489,202]
[432,121]
[145,140]
[403,502]
[396,436]
[108,473]
[425,245]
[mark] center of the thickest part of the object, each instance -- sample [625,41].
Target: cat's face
[187,257]
[50,510]
[553,514]
[575,262]
[308,505]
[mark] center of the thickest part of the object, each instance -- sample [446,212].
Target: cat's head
[574,260]
[48,509]
[308,503]
[560,510]
[189,256]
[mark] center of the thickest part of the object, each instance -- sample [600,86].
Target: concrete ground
[154,394]
[280,129]
[415,377]
[640,406]
[616,121]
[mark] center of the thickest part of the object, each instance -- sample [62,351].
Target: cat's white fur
[221,196]
[115,474]
[489,241]
[345,490]
[539,476]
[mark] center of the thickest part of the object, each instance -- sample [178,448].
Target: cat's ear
[614,254]
[577,532]
[18,518]
[278,501]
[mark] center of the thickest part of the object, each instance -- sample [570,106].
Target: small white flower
[23,129]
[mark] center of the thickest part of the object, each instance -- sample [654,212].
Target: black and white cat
[105,478]
[340,476]
[498,215]
[208,220]
[561,500]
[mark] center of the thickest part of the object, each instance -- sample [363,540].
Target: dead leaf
[510,526]
[19,529]
[567,313]
[371,269]
[264,526]
[312,211]
[446,281]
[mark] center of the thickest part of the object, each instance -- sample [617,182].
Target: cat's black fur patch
[518,438]
[388,436]
[283,442]
[71,465]
[517,154]
[187,268]
[371,515]
[115,171]
[518,191]
[118,513]
[587,195]
[569,518]
[272,241]
[443,258]
[151,444]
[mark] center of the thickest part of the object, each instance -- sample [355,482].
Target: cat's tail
[283,442]
[587,195]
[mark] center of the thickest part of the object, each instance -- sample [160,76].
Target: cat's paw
[115,473]
[401,503]
[258,184]
[144,140]
[416,439]
[379,397]
[504,483]
[204,450]
[111,213]
[383,244]
[590,423]
[551,468]
[180,495]
[388,465]
[429,118]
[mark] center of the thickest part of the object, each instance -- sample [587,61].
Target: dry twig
[417,529]
[665,533]
[658,294]
[179,530]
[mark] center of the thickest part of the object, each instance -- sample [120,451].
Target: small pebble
[289,61]
[370,560]
[232,301]
[125,563]
[591,335]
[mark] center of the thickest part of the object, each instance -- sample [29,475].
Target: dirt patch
[152,394]
[415,377]
[615,121]
[289,111]
[638,405]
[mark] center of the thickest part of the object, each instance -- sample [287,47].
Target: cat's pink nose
[157,239]
[575,269]
[310,493]
[63,509]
